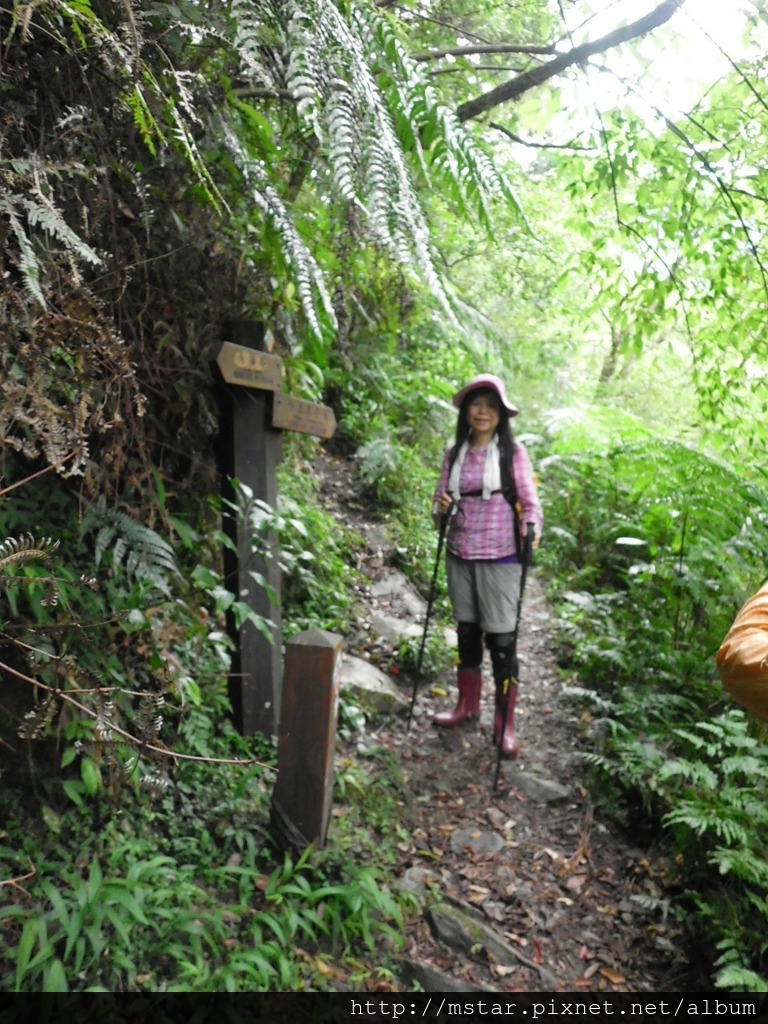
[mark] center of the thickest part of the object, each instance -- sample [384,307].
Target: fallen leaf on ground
[323,968]
[615,977]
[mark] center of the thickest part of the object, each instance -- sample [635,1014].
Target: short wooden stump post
[301,801]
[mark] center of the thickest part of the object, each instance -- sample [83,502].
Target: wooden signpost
[253,414]
[301,802]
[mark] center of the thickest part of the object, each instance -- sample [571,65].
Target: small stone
[476,841]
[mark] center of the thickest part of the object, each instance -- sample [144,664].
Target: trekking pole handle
[448,509]
[530,535]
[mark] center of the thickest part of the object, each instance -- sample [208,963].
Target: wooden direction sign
[254,369]
[305,417]
[249,368]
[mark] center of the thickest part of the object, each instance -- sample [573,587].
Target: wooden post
[253,414]
[250,452]
[301,802]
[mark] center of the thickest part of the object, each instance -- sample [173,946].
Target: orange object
[742,660]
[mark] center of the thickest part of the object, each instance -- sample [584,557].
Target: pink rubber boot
[508,741]
[470,684]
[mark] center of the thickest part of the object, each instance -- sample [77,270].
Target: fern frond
[740,979]
[28,263]
[255,26]
[339,98]
[310,282]
[82,20]
[743,863]
[143,118]
[155,782]
[148,720]
[695,772]
[432,130]
[707,818]
[105,720]
[42,213]
[651,903]
[37,720]
[137,549]
[746,766]
[180,131]
[598,761]
[707,487]
[590,698]
[18,550]
[372,109]
[718,737]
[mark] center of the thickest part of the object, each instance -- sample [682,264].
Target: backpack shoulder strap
[509,489]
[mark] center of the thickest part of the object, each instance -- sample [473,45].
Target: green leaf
[29,936]
[54,977]
[91,776]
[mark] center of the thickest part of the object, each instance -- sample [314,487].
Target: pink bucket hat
[486,380]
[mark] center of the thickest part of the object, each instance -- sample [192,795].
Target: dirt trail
[575,905]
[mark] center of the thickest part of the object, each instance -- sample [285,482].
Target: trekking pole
[440,538]
[526,561]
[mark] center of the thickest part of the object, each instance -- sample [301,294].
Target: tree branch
[420,16]
[67,698]
[467,51]
[534,145]
[537,76]
[15,882]
[455,69]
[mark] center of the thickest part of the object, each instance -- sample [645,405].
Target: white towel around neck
[491,470]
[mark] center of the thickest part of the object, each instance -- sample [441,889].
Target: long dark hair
[503,431]
[506,451]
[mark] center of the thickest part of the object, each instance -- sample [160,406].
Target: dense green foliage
[167,168]
[183,891]
[653,547]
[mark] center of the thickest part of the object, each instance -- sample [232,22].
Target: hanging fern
[143,118]
[338,96]
[359,114]
[427,126]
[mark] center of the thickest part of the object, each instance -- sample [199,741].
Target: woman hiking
[488,489]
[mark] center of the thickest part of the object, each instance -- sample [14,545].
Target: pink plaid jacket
[483,529]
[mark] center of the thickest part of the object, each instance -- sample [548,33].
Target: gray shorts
[484,592]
